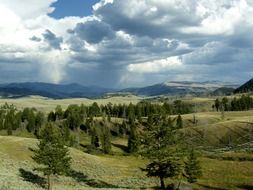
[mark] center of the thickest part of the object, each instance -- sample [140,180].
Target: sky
[125,43]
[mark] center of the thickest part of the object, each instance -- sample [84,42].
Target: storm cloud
[128,43]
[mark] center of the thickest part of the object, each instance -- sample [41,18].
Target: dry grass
[228,175]
[89,171]
[110,172]
[47,104]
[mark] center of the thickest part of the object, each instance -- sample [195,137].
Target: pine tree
[217,104]
[161,147]
[59,114]
[39,121]
[133,141]
[10,120]
[51,154]
[94,138]
[179,122]
[192,167]
[105,138]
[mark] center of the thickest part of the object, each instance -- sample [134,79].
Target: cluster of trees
[12,119]
[243,103]
[141,109]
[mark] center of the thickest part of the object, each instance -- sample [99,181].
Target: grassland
[47,104]
[222,169]
[108,172]
[89,171]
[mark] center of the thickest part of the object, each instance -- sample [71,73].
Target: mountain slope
[246,87]
[223,91]
[179,88]
[88,171]
[51,90]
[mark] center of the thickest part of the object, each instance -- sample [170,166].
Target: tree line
[243,103]
[141,109]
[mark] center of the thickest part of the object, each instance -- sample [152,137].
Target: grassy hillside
[211,129]
[109,172]
[47,104]
[89,171]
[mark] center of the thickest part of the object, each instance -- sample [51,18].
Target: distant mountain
[223,91]
[247,87]
[57,91]
[179,88]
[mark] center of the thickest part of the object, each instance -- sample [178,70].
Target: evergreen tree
[51,117]
[10,120]
[39,121]
[95,110]
[133,141]
[192,167]
[217,104]
[94,138]
[74,120]
[179,122]
[105,138]
[31,121]
[224,102]
[161,147]
[59,114]
[123,129]
[17,120]
[131,112]
[51,154]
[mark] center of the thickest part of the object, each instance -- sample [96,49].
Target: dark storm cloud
[146,18]
[52,39]
[93,31]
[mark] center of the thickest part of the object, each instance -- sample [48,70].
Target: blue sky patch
[65,8]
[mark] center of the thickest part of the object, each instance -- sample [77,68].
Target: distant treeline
[28,118]
[82,117]
[243,103]
[94,120]
[141,109]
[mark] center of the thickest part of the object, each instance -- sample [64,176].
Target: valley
[223,142]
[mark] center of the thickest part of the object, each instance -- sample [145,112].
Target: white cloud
[28,9]
[221,17]
[156,66]
[101,4]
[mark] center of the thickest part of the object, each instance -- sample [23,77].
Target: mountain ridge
[75,90]
[246,87]
[180,88]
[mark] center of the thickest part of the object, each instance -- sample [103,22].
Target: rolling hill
[247,87]
[180,88]
[57,91]
[61,91]
[223,91]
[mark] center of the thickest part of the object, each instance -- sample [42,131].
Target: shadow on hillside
[120,146]
[32,178]
[154,188]
[210,187]
[81,177]
[246,187]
